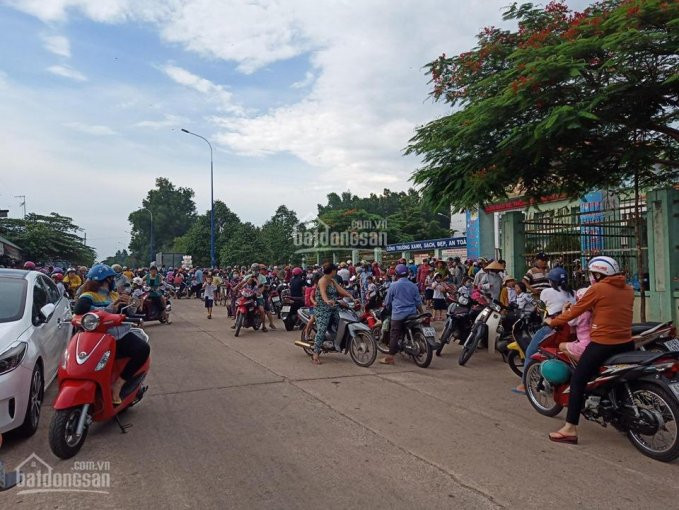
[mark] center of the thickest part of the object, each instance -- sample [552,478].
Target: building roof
[9,243]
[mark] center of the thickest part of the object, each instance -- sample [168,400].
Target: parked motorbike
[347,334]
[247,311]
[275,296]
[637,392]
[419,340]
[459,320]
[289,315]
[486,328]
[86,374]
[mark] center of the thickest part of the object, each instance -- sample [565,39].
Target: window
[51,290]
[40,299]
[12,299]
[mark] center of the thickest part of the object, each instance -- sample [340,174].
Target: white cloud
[67,72]
[308,80]
[90,129]
[168,120]
[57,44]
[214,92]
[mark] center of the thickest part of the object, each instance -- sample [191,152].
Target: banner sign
[430,244]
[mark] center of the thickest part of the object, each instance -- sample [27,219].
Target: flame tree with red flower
[565,103]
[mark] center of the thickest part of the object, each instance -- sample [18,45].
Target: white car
[35,328]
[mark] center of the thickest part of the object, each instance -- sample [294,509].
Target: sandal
[558,437]
[387,361]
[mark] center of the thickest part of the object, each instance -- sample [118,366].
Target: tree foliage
[173,210]
[48,239]
[567,102]
[121,257]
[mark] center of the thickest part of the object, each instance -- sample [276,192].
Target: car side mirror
[47,311]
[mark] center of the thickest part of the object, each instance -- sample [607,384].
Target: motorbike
[289,315]
[636,392]
[247,311]
[150,308]
[656,337]
[459,320]
[486,328]
[86,374]
[346,334]
[419,341]
[275,295]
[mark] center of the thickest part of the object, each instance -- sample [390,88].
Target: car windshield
[12,299]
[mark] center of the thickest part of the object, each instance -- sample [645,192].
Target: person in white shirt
[344,273]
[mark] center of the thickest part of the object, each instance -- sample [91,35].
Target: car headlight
[12,357]
[103,361]
[89,322]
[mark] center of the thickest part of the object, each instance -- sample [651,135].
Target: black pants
[133,347]
[594,356]
[396,331]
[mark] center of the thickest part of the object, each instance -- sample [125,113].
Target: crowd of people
[600,313]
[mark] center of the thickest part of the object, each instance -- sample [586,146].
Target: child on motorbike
[583,329]
[310,302]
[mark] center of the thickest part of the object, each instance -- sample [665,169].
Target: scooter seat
[638,329]
[638,357]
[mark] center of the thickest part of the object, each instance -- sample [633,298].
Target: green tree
[48,239]
[121,257]
[173,210]
[566,103]
[277,236]
[196,242]
[244,246]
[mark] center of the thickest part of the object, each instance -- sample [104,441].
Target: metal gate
[573,234]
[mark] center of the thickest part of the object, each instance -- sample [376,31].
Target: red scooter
[86,374]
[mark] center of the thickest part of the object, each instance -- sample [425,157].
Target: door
[57,328]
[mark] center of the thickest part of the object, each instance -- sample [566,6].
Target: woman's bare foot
[115,391]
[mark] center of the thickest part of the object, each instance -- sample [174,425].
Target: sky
[299,98]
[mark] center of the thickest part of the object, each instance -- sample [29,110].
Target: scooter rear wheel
[63,441]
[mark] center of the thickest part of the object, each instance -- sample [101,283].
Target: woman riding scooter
[99,293]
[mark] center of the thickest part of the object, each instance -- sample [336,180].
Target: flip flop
[386,361]
[563,438]
[518,392]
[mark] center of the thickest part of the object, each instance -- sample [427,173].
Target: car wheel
[34,406]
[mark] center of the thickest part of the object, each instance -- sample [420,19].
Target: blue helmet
[401,270]
[100,272]
[558,275]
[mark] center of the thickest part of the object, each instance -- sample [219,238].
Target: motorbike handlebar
[133,320]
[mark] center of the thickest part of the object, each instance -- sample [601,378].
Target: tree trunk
[640,258]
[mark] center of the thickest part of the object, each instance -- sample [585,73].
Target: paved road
[249,422]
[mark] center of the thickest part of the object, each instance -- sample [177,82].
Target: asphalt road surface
[249,422]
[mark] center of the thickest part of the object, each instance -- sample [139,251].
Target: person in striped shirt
[536,278]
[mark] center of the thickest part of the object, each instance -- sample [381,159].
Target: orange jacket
[611,302]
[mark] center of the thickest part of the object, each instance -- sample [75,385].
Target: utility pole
[23,203]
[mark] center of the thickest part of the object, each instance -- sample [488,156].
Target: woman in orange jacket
[611,302]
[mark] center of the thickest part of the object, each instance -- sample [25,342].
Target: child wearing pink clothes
[583,330]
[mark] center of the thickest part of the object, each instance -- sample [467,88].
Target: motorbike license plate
[285,309]
[275,299]
[429,331]
[672,345]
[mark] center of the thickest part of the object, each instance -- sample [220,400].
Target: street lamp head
[186,130]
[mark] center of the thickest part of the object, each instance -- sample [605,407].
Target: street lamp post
[149,211]
[213,262]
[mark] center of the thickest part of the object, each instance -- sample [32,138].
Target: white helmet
[604,265]
[137,280]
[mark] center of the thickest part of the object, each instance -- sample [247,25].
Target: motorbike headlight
[495,307]
[103,361]
[12,357]
[90,322]
[463,300]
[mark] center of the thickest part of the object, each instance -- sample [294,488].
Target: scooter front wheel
[515,362]
[64,441]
